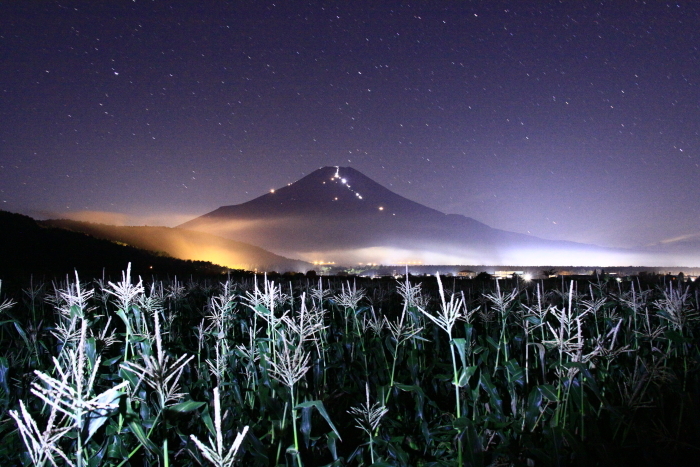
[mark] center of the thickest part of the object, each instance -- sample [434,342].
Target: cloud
[680,238]
[166,219]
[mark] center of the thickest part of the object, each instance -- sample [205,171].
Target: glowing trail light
[344,181]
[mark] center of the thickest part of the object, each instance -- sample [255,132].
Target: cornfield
[323,372]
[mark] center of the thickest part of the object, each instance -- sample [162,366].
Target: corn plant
[242,370]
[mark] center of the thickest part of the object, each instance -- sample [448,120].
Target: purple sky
[575,121]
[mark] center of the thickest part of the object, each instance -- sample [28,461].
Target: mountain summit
[339,214]
[328,191]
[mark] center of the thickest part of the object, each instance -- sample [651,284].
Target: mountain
[28,248]
[338,214]
[187,244]
[683,250]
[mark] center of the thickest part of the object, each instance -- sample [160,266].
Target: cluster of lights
[336,177]
[344,181]
[322,263]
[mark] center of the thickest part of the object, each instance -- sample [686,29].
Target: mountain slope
[329,208]
[187,244]
[337,213]
[29,248]
[683,250]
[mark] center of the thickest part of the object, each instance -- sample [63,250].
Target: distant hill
[187,244]
[682,250]
[337,213]
[28,248]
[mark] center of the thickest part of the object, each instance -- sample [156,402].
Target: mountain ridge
[334,211]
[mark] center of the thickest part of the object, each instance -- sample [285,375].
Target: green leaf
[136,313]
[675,337]
[116,449]
[361,309]
[76,311]
[532,412]
[187,406]
[98,417]
[261,310]
[95,459]
[331,438]
[461,423]
[590,382]
[112,361]
[4,368]
[465,374]
[494,396]
[124,318]
[534,320]
[516,375]
[91,351]
[548,391]
[468,329]
[541,350]
[305,427]
[322,410]
[461,345]
[137,430]
[492,342]
[206,418]
[129,376]
[22,334]
[340,462]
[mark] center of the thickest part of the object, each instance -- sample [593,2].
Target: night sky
[567,120]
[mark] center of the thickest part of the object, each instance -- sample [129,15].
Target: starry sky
[566,120]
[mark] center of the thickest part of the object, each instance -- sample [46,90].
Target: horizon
[353,257]
[561,269]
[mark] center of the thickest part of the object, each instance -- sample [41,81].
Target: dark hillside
[187,245]
[29,249]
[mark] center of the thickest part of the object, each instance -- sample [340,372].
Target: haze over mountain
[30,248]
[187,244]
[338,214]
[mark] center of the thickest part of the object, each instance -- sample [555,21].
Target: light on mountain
[272,190]
[448,240]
